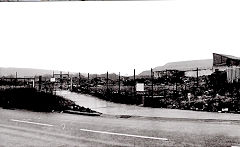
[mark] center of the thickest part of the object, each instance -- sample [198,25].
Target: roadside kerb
[82,113]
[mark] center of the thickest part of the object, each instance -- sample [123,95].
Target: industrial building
[220,62]
[228,63]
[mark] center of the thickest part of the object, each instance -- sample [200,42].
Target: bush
[30,99]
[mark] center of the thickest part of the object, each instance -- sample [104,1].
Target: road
[26,128]
[111,108]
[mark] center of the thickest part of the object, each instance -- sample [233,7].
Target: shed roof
[229,56]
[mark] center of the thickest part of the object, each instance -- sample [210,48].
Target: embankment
[31,99]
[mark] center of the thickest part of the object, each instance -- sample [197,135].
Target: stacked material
[233,74]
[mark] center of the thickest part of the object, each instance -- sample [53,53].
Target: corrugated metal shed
[225,60]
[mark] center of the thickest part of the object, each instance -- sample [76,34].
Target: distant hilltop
[24,72]
[182,65]
[32,72]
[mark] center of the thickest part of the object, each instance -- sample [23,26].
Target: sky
[118,36]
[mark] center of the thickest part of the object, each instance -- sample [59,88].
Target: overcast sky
[115,36]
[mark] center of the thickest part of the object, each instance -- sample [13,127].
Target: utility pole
[119,84]
[53,84]
[69,78]
[167,75]
[176,80]
[107,81]
[61,82]
[134,83]
[16,80]
[79,78]
[96,80]
[88,82]
[152,80]
[134,75]
[71,84]
[197,77]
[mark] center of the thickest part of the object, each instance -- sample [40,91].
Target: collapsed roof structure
[221,60]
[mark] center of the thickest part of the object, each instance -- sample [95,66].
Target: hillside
[145,73]
[31,72]
[183,65]
[24,72]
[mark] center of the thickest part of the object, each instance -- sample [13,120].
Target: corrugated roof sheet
[229,56]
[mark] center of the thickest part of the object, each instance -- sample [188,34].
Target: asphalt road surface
[111,108]
[26,128]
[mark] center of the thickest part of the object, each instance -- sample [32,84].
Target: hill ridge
[183,65]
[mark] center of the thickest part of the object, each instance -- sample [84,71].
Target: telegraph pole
[176,80]
[134,75]
[16,80]
[134,83]
[68,78]
[71,83]
[61,82]
[167,75]
[107,80]
[152,80]
[197,77]
[88,83]
[119,84]
[79,78]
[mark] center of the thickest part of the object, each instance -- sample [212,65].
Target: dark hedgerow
[31,99]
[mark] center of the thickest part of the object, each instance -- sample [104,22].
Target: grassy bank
[207,101]
[31,99]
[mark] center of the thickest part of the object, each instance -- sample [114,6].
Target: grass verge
[31,99]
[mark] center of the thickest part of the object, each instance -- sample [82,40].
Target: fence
[34,82]
[170,90]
